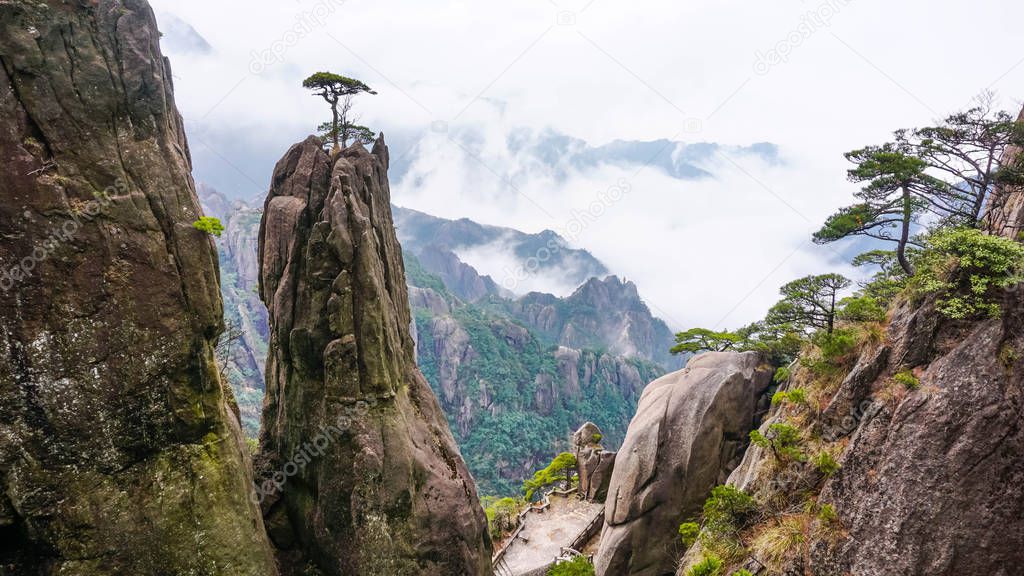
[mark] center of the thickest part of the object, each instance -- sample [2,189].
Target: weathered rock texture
[934,483]
[119,452]
[389,494]
[1005,211]
[689,432]
[594,464]
[931,478]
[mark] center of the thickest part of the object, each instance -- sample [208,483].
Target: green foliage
[827,514]
[502,515]
[836,346]
[808,303]
[210,225]
[417,275]
[890,279]
[697,340]
[796,396]
[907,379]
[335,84]
[499,445]
[782,374]
[782,439]
[966,268]
[742,572]
[709,566]
[779,342]
[336,89]
[825,463]
[728,509]
[688,532]
[895,192]
[861,309]
[561,469]
[596,438]
[578,566]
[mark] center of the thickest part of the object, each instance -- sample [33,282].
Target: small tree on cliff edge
[337,89]
[697,340]
[897,191]
[809,303]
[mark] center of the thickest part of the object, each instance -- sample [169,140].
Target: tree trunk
[832,315]
[334,124]
[901,250]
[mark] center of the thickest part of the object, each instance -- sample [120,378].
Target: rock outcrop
[926,428]
[1004,214]
[362,474]
[594,464]
[689,432]
[119,449]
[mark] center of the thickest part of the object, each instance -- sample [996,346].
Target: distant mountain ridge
[515,375]
[434,240]
[547,152]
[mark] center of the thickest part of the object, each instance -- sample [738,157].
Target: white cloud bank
[710,252]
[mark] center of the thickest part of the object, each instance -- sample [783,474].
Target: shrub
[728,509]
[688,532]
[827,514]
[596,438]
[782,439]
[742,572]
[907,379]
[210,225]
[966,267]
[502,515]
[794,396]
[781,375]
[709,566]
[837,345]
[825,463]
[861,309]
[578,566]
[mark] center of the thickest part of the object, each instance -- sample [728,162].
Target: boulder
[689,432]
[594,464]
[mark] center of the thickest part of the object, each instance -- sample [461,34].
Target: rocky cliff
[361,473]
[906,456]
[120,452]
[689,432]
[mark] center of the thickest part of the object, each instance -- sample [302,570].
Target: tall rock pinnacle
[119,452]
[359,472]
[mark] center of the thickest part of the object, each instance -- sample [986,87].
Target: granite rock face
[934,484]
[120,452]
[594,464]
[689,432]
[364,476]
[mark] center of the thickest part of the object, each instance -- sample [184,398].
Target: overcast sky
[815,78]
